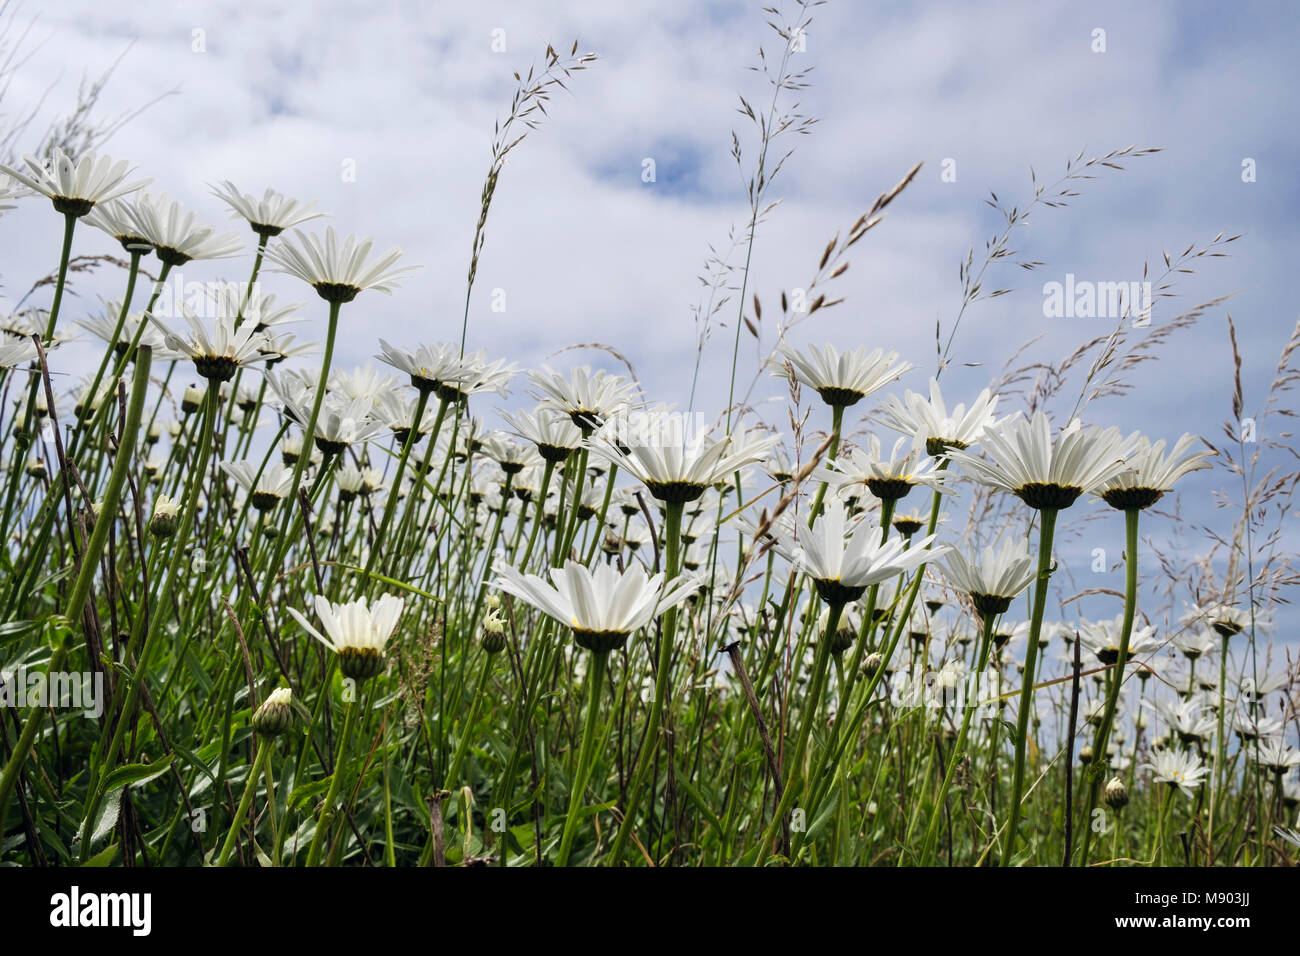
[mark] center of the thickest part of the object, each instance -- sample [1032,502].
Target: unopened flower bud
[494,632]
[163,522]
[192,399]
[1116,794]
[274,716]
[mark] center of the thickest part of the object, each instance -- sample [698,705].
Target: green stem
[932,832]
[595,679]
[811,706]
[1046,530]
[650,743]
[1100,763]
[336,780]
[232,835]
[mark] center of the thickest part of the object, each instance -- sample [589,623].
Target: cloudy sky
[383,112]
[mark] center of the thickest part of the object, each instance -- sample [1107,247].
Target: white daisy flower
[270,215]
[337,272]
[889,479]
[1178,768]
[266,490]
[588,398]
[1044,473]
[219,351]
[1103,638]
[843,378]
[115,218]
[75,188]
[602,608]
[677,467]
[930,424]
[844,561]
[555,435]
[175,236]
[1150,472]
[355,631]
[996,579]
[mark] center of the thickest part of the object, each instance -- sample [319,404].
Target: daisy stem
[1099,763]
[936,813]
[821,661]
[1160,826]
[336,780]
[391,505]
[232,835]
[462,745]
[69,224]
[284,539]
[650,743]
[160,611]
[539,515]
[598,535]
[1220,744]
[1046,529]
[117,329]
[589,733]
[837,420]
[565,532]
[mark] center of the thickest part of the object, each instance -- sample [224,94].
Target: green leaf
[133,774]
[104,857]
[107,819]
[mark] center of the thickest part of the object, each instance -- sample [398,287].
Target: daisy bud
[274,716]
[192,399]
[494,632]
[1085,755]
[872,664]
[1116,794]
[154,433]
[35,467]
[163,522]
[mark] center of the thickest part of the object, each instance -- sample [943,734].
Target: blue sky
[586,251]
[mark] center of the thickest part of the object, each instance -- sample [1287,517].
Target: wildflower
[268,216]
[1150,473]
[337,272]
[930,424]
[114,217]
[678,468]
[494,632]
[995,581]
[273,717]
[75,188]
[588,398]
[265,490]
[1226,619]
[602,608]
[555,436]
[355,631]
[1178,768]
[888,479]
[843,563]
[1116,794]
[217,354]
[843,379]
[1103,638]
[175,236]
[1043,473]
[163,522]
[1194,644]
